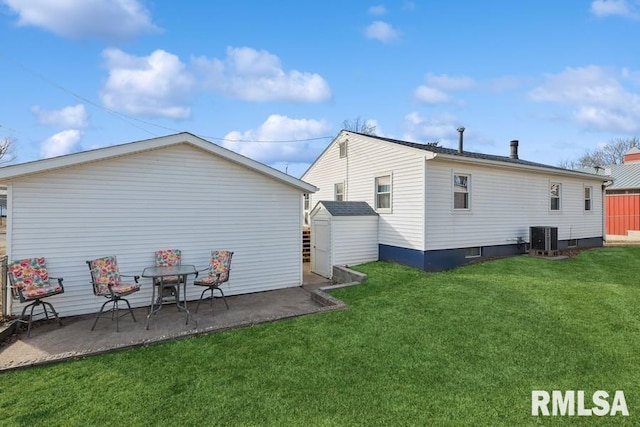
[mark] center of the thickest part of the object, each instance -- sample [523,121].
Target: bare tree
[359,125]
[6,156]
[610,154]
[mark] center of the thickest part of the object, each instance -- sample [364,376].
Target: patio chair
[107,282]
[217,274]
[30,282]
[168,258]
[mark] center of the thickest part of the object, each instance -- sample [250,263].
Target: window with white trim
[383,192]
[555,193]
[587,198]
[338,192]
[461,191]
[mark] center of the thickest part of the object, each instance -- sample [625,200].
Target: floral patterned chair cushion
[30,278]
[107,278]
[168,258]
[219,267]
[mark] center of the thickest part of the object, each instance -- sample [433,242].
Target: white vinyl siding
[370,158]
[500,220]
[130,206]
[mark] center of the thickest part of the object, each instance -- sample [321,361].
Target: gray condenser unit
[543,241]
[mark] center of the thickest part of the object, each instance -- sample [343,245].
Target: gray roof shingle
[348,208]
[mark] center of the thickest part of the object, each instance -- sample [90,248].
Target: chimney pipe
[461,130]
[514,149]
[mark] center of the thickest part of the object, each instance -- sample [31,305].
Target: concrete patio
[50,343]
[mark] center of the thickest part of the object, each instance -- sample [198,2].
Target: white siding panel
[176,197]
[504,204]
[366,159]
[355,239]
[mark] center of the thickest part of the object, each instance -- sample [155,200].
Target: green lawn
[463,347]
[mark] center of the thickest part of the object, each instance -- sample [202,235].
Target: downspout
[604,210]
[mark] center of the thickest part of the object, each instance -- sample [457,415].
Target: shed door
[321,246]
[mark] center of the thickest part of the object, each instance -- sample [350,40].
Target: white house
[440,207]
[343,233]
[129,200]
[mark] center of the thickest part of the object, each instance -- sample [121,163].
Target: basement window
[475,252]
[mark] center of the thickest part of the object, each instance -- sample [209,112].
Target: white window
[343,149]
[306,202]
[338,192]
[383,192]
[587,198]
[474,252]
[461,191]
[554,192]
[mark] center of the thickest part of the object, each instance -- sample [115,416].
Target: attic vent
[343,149]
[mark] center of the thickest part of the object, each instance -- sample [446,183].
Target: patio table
[182,272]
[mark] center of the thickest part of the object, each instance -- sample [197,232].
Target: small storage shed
[342,233]
[130,200]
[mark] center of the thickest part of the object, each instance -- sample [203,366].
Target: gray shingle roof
[469,154]
[348,208]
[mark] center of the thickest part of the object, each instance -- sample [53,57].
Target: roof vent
[461,130]
[514,149]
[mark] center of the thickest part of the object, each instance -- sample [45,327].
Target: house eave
[516,166]
[11,172]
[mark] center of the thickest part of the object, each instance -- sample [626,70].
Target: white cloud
[253,75]
[381,31]
[280,128]
[377,10]
[597,96]
[446,82]
[67,117]
[106,19]
[156,85]
[602,8]
[431,95]
[436,87]
[441,128]
[61,143]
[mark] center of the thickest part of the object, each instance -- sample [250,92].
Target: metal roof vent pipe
[514,149]
[460,145]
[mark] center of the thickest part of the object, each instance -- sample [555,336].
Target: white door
[321,238]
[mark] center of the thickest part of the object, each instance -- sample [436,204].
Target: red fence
[623,213]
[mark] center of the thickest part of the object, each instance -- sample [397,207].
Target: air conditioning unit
[543,241]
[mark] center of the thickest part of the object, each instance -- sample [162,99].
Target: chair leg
[130,310]
[32,305]
[53,310]
[200,300]
[223,297]
[99,314]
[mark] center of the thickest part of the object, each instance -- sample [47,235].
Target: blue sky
[275,80]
